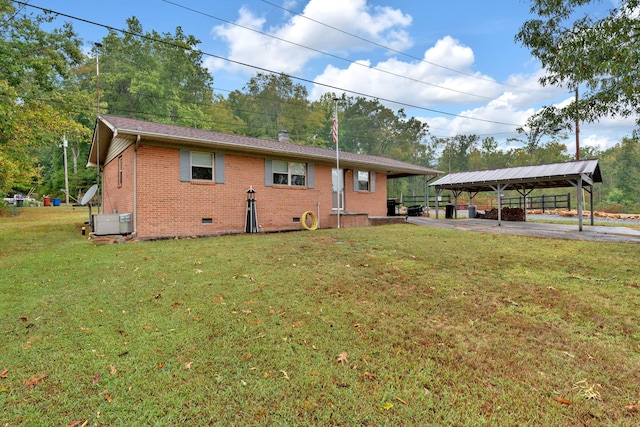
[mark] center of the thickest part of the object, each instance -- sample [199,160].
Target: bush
[7,209]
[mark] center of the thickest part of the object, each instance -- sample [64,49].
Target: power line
[244,64]
[385,47]
[350,61]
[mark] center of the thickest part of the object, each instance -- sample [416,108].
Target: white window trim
[213,172]
[289,174]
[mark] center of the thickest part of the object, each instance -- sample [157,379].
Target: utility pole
[66,170]
[98,46]
[577,128]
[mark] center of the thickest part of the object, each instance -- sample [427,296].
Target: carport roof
[554,175]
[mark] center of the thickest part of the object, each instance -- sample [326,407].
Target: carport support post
[498,189]
[456,193]
[580,203]
[524,193]
[591,202]
[437,199]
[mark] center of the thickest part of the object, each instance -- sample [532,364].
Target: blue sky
[458,57]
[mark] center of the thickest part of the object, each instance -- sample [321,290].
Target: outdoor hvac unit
[105,224]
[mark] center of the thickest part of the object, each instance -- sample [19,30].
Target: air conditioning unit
[104,224]
[126,224]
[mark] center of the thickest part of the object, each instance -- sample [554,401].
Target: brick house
[180,182]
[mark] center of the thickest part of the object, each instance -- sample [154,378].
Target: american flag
[334,130]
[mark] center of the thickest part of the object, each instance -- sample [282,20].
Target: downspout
[135,186]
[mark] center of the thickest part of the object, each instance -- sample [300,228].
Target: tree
[487,155]
[270,103]
[456,151]
[33,108]
[579,50]
[533,135]
[625,173]
[153,76]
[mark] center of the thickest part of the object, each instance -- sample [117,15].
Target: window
[120,171]
[363,181]
[289,173]
[202,166]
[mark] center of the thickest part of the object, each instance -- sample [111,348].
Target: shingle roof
[183,136]
[552,175]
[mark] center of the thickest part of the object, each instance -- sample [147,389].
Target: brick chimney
[283,136]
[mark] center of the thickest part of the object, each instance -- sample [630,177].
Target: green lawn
[378,326]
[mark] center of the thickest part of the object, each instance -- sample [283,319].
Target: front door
[337,190]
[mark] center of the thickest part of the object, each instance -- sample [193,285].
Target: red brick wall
[375,204]
[168,207]
[118,198]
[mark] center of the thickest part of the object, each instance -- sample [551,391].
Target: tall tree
[153,76]
[455,152]
[624,171]
[577,49]
[369,127]
[270,103]
[34,111]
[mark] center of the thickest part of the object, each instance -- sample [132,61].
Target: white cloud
[422,83]
[284,48]
[417,82]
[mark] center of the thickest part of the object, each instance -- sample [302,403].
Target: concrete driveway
[535,229]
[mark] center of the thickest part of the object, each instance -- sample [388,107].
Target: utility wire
[350,61]
[244,64]
[385,47]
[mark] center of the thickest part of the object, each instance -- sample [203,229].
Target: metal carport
[580,174]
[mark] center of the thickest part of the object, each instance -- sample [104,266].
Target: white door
[337,189]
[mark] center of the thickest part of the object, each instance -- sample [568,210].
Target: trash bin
[19,203]
[414,210]
[449,208]
[47,201]
[391,207]
[472,211]
[56,201]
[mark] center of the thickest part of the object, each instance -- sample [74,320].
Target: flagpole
[336,139]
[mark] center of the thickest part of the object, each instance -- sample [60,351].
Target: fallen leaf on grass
[632,407]
[160,365]
[75,423]
[387,406]
[187,365]
[404,402]
[96,378]
[370,376]
[342,358]
[35,380]
[106,395]
[562,400]
[4,373]
[112,370]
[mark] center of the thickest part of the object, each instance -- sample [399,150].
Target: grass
[379,326]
